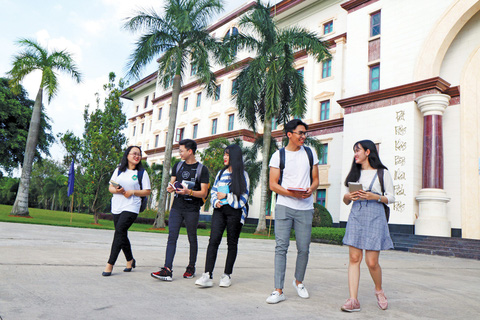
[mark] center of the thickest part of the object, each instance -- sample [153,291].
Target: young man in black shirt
[186,206]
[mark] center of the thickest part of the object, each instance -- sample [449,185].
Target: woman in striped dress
[229,198]
[367,227]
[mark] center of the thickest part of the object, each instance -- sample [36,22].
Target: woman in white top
[367,226]
[126,202]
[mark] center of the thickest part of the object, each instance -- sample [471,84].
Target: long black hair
[124,163]
[373,159]
[239,183]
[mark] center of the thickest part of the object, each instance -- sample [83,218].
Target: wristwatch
[379,199]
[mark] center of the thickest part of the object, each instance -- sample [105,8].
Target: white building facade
[404,74]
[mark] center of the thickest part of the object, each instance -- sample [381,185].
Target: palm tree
[35,57]
[179,35]
[270,87]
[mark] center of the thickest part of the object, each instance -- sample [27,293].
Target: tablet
[354,186]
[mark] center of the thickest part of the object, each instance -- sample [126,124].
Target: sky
[91,30]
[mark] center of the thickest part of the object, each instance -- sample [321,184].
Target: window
[328,27]
[217,92]
[159,113]
[146,103]
[193,70]
[301,71]
[199,99]
[137,109]
[326,68]
[153,96]
[214,126]
[179,136]
[274,123]
[195,131]
[185,104]
[234,87]
[321,195]
[324,110]
[231,119]
[156,140]
[143,126]
[375,24]
[323,155]
[375,77]
[233,32]
[134,129]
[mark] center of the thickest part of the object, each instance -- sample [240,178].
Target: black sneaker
[189,273]
[164,274]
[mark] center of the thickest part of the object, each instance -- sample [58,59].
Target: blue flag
[71,179]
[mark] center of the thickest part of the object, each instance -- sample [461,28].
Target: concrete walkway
[55,273]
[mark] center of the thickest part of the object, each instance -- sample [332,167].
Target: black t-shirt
[187,172]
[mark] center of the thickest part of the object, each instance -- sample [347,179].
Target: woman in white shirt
[367,226]
[126,202]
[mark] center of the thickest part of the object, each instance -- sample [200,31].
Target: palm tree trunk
[20,207]
[267,136]
[160,219]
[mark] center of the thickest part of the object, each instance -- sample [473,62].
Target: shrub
[321,216]
[328,235]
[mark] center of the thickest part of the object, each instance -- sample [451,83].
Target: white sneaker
[204,281]
[225,281]
[301,290]
[276,297]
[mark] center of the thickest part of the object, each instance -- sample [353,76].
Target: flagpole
[71,208]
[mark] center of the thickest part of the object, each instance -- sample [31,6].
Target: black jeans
[229,218]
[174,223]
[122,223]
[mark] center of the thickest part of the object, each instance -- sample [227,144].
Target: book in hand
[354,186]
[297,189]
[226,190]
[115,184]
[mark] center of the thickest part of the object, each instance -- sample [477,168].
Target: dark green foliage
[15,116]
[321,216]
[328,235]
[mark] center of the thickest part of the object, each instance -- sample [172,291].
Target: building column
[432,198]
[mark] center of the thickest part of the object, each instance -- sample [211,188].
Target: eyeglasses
[301,133]
[135,154]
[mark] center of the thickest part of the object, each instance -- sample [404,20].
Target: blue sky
[90,30]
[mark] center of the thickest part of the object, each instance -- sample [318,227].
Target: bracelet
[191,193]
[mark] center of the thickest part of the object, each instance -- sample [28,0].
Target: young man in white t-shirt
[294,207]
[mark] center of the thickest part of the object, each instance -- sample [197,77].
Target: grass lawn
[82,220]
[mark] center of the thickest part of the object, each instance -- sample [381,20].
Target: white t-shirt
[129,181]
[296,174]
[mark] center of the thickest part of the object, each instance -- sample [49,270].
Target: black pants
[229,218]
[122,223]
[174,223]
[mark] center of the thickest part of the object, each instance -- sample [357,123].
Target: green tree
[15,115]
[43,171]
[178,36]
[8,189]
[270,87]
[103,145]
[35,57]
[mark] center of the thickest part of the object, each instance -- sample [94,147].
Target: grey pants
[301,221]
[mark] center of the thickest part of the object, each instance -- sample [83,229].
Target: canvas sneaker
[164,274]
[351,305]
[204,281]
[301,290]
[276,297]
[190,272]
[381,299]
[225,281]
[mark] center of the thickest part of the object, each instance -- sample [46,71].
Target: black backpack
[143,206]
[282,163]
[198,175]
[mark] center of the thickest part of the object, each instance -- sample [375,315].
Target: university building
[404,74]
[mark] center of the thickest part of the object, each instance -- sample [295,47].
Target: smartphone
[115,184]
[354,186]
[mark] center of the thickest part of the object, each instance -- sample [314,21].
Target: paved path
[55,273]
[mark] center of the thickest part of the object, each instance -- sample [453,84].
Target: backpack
[198,175]
[387,208]
[143,205]
[282,163]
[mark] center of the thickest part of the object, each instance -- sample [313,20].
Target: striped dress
[232,199]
